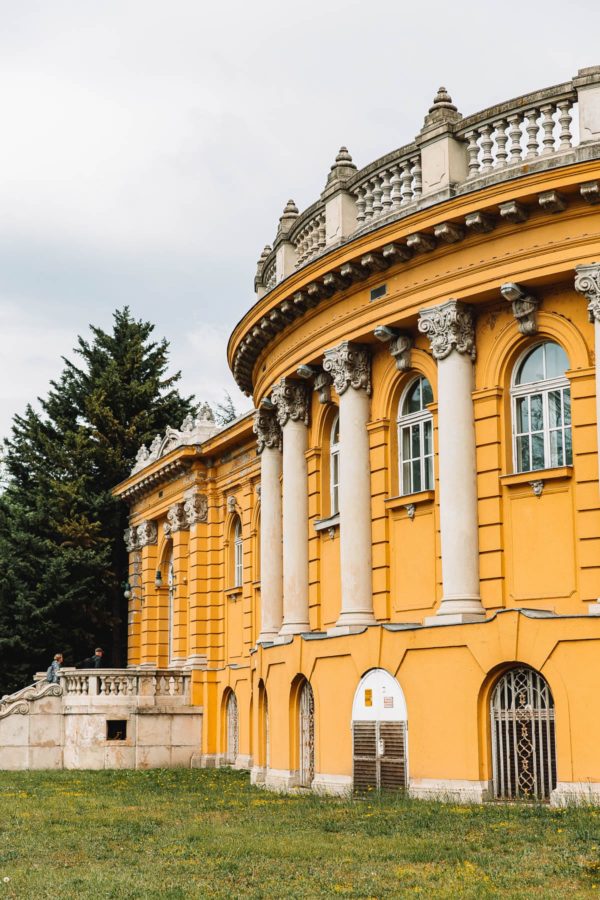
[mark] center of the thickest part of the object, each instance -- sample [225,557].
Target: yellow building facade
[388,574]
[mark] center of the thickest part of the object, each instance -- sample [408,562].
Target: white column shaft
[271,544]
[458,487]
[355,510]
[295,528]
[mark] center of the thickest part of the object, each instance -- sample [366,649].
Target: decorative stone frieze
[449,327]
[147,533]
[196,509]
[176,518]
[194,430]
[587,282]
[349,366]
[291,401]
[524,306]
[130,536]
[400,348]
[267,430]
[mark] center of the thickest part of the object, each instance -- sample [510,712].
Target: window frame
[334,468]
[420,419]
[543,389]
[238,553]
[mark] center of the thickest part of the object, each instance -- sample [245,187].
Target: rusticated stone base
[576,793]
[336,785]
[450,790]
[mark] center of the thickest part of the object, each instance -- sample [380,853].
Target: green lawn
[207,833]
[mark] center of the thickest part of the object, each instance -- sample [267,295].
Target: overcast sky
[147,147]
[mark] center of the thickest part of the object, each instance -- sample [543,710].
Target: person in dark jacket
[93,662]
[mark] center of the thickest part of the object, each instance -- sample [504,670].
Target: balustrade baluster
[321,232]
[472,153]
[396,184]
[417,176]
[360,206]
[377,192]
[515,135]
[487,157]
[564,120]
[406,183]
[386,192]
[532,128]
[547,112]
[368,201]
[501,141]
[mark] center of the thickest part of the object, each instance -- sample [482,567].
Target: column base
[294,628]
[338,630]
[354,619]
[196,661]
[458,611]
[267,637]
[454,619]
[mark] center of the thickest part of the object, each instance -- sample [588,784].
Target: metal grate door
[307,735]
[232,729]
[523,739]
[379,752]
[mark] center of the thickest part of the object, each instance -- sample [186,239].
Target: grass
[206,833]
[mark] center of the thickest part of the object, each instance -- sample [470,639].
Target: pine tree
[62,557]
[225,412]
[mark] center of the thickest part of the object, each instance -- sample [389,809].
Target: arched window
[523,743]
[238,554]
[334,467]
[306,733]
[541,399]
[415,438]
[232,729]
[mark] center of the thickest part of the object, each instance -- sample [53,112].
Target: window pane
[428,486]
[427,392]
[568,448]
[523,462]
[532,367]
[556,360]
[416,442]
[567,405]
[522,415]
[416,475]
[406,486]
[427,437]
[555,408]
[405,443]
[556,448]
[412,402]
[335,432]
[537,451]
[537,412]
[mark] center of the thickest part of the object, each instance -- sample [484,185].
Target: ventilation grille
[379,751]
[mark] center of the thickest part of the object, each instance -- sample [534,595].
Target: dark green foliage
[62,558]
[225,412]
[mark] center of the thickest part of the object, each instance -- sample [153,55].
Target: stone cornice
[298,294]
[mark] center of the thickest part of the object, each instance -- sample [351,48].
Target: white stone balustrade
[388,189]
[113,685]
[309,238]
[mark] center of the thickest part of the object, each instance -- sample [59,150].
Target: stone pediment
[194,430]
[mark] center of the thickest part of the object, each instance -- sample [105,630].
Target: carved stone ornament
[400,348]
[449,327]
[194,430]
[587,282]
[167,531]
[291,401]
[130,537]
[323,386]
[349,366]
[537,487]
[267,430]
[176,518]
[231,504]
[147,533]
[196,509]
[524,306]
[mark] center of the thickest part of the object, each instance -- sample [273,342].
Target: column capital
[176,517]
[449,327]
[147,533]
[587,282]
[196,509]
[267,430]
[130,536]
[291,399]
[349,366]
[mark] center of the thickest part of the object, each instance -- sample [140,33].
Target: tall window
[541,400]
[415,438]
[334,467]
[238,554]
[171,612]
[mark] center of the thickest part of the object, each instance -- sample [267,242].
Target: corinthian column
[268,438]
[449,327]
[291,402]
[587,282]
[349,366]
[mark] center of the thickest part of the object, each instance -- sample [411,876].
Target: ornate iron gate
[307,735]
[232,728]
[523,740]
[379,752]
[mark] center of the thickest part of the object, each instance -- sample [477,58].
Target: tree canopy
[62,557]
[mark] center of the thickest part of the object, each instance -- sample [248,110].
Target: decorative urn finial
[288,217]
[343,167]
[442,109]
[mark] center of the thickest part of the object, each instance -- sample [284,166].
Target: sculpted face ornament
[524,306]
[349,366]
[449,327]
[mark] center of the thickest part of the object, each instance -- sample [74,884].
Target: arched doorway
[231,714]
[379,734]
[523,738]
[306,733]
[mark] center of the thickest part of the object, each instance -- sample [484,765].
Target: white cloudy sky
[147,147]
